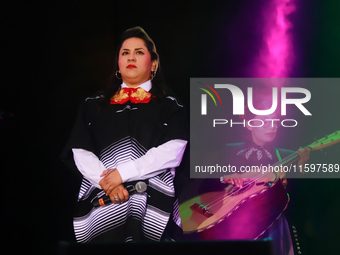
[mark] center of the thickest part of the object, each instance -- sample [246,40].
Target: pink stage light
[276,56]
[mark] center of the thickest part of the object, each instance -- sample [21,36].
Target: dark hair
[158,88]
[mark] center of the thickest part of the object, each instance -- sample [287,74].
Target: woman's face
[266,133]
[134,62]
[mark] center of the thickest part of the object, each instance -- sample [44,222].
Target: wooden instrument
[244,213]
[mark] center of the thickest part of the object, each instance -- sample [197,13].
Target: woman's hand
[304,157]
[119,192]
[111,179]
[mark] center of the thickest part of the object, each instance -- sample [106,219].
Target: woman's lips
[131,66]
[270,133]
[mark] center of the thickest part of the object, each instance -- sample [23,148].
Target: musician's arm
[304,154]
[234,179]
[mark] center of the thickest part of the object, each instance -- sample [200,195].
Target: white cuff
[88,165]
[128,170]
[154,162]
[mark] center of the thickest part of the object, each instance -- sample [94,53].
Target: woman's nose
[131,57]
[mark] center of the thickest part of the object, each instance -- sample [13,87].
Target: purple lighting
[276,55]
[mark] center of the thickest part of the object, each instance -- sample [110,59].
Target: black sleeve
[177,125]
[80,136]
[178,128]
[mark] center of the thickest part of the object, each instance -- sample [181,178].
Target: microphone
[140,187]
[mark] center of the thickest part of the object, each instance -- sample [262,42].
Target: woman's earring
[118,75]
[153,74]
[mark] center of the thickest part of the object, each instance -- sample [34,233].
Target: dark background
[56,53]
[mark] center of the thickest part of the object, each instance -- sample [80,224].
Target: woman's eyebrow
[135,49]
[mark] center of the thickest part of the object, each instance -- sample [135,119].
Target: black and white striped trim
[124,150]
[102,219]
[176,215]
[159,185]
[97,221]
[154,223]
[85,187]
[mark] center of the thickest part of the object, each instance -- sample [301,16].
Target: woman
[259,150]
[133,131]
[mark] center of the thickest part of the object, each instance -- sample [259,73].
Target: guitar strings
[219,199]
[224,197]
[287,160]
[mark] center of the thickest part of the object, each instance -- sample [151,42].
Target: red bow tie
[135,95]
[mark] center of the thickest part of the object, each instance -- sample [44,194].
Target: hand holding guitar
[304,157]
[234,179]
[212,215]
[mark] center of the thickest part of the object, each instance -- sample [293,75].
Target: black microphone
[140,187]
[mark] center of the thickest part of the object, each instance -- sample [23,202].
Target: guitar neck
[288,160]
[316,145]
